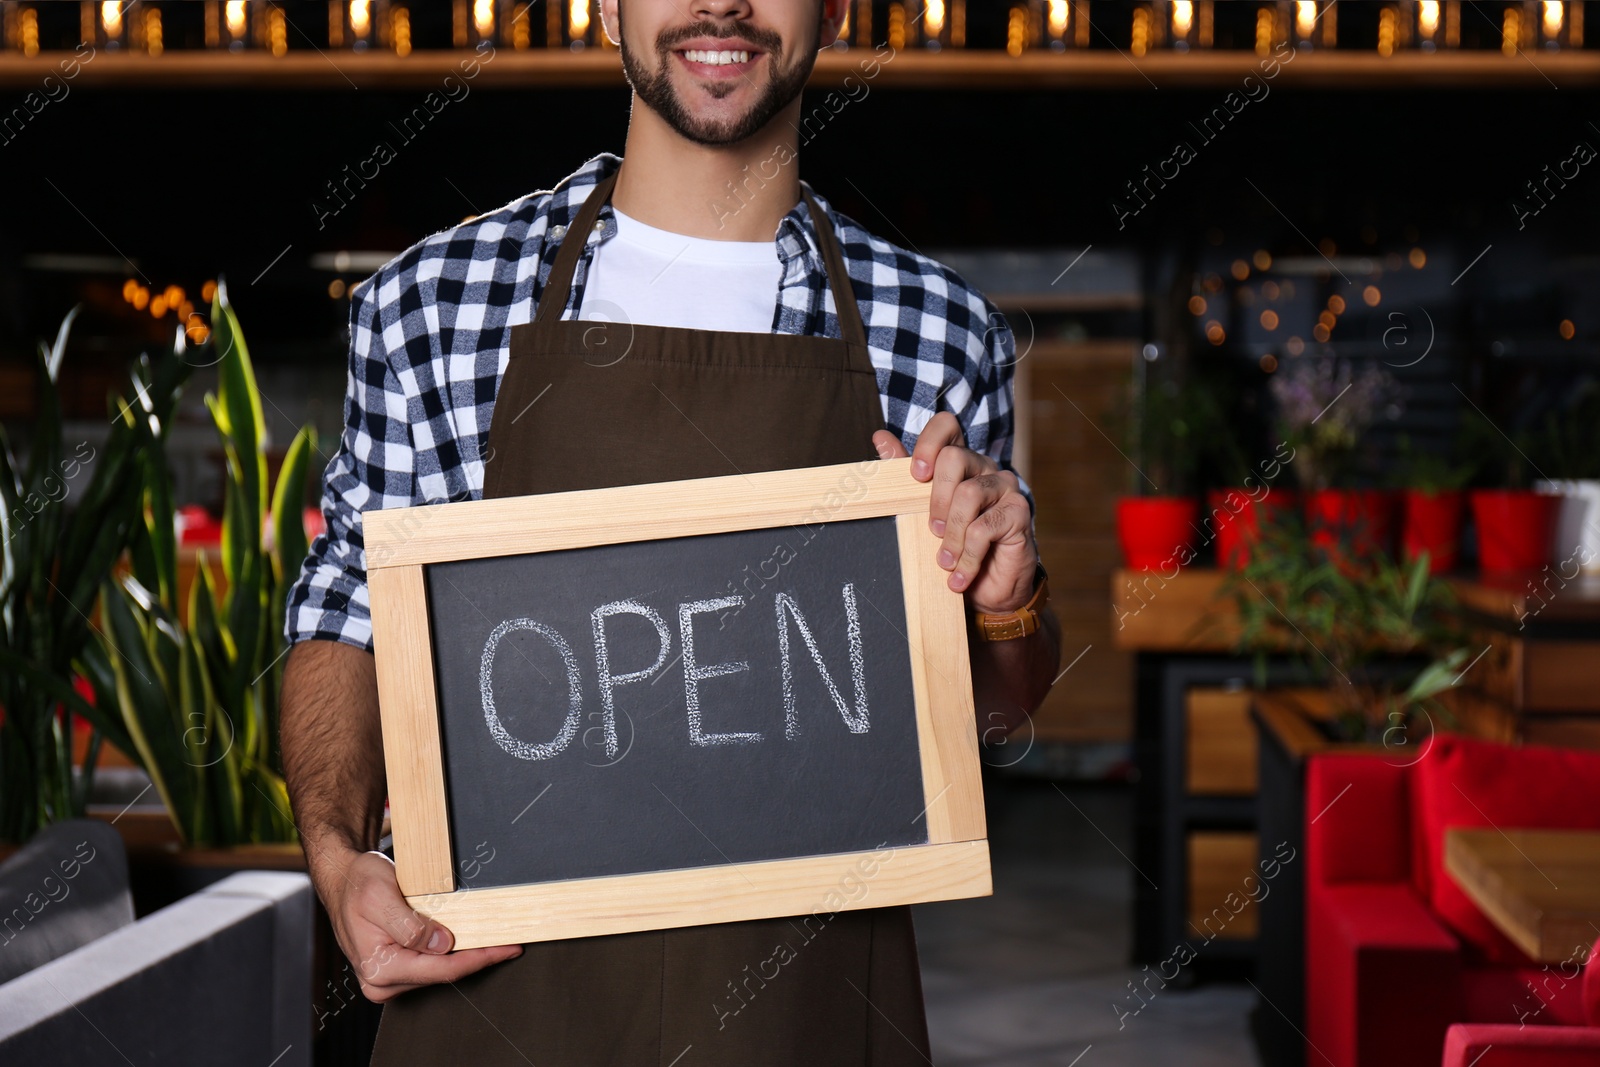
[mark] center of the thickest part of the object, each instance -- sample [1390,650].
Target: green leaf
[159,519]
[203,617]
[147,707]
[240,402]
[42,488]
[288,554]
[1436,677]
[59,348]
[104,713]
[288,501]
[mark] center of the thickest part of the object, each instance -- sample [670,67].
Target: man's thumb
[888,445]
[422,935]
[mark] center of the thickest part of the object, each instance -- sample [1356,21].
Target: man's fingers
[968,499]
[952,469]
[942,430]
[888,446]
[383,905]
[412,931]
[407,970]
[393,948]
[1005,521]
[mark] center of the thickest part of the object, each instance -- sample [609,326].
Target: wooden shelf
[601,68]
[1535,596]
[1190,612]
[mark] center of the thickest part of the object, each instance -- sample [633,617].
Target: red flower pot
[197,527]
[1157,533]
[315,523]
[1363,517]
[1236,516]
[1431,523]
[1515,527]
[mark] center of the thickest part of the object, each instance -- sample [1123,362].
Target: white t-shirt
[655,277]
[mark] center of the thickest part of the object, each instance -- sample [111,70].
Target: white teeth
[716,59]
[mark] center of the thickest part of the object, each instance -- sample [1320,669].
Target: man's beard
[657,91]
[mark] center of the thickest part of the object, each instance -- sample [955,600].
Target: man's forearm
[1010,678]
[333,749]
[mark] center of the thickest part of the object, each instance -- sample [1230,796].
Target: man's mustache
[765,40]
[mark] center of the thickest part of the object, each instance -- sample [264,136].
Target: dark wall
[195,183]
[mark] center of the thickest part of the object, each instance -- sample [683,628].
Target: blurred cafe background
[1303,297]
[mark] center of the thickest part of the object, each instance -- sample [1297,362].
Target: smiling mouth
[724,58]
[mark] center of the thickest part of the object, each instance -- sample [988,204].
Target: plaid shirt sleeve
[948,347]
[373,468]
[992,403]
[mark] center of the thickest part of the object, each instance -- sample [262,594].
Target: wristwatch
[1007,626]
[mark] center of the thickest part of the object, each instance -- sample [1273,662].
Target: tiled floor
[1038,974]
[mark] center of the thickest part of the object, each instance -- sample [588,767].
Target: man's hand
[333,765]
[979,511]
[392,948]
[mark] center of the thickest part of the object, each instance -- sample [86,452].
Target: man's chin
[713,111]
[720,114]
[713,133]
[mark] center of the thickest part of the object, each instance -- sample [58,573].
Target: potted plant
[1377,633]
[1516,525]
[1156,528]
[1432,505]
[196,701]
[1247,491]
[1568,453]
[1325,406]
[1239,514]
[67,513]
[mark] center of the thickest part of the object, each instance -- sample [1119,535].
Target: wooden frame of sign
[401,542]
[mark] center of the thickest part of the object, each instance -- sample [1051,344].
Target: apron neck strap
[554,300]
[559,288]
[844,296]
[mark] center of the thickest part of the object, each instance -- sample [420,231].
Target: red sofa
[1395,953]
[1490,1045]
[1502,1045]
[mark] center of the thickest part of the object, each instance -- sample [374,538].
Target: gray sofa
[222,976]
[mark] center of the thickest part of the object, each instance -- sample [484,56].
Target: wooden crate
[1221,750]
[1563,731]
[1538,675]
[1219,864]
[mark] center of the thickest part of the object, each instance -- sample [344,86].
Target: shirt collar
[796,238]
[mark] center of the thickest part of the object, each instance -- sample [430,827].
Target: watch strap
[1010,625]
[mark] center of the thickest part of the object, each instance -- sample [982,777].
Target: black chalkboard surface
[685,702]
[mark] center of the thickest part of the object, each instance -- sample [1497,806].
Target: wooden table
[1540,887]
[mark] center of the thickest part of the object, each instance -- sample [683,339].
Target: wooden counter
[1189,612]
[1531,598]
[1192,612]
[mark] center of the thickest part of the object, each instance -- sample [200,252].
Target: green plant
[199,701]
[55,556]
[1340,617]
[1432,471]
[1503,452]
[1567,443]
[1169,428]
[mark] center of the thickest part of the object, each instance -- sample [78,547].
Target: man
[481,365]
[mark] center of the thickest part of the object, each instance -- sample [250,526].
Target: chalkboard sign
[673,704]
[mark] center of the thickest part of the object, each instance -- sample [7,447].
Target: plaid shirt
[430,336]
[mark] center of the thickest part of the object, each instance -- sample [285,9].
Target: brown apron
[585,405]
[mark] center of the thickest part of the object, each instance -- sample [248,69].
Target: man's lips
[703,56]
